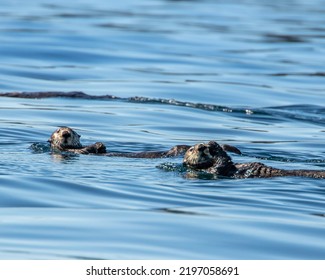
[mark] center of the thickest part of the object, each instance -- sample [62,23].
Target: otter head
[65,138]
[198,156]
[206,155]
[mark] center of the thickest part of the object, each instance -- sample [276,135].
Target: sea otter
[211,158]
[66,139]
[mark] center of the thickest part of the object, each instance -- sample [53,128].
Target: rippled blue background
[262,62]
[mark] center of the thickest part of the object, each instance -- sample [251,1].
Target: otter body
[67,140]
[211,158]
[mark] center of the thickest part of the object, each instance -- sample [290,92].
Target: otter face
[65,138]
[210,156]
[201,156]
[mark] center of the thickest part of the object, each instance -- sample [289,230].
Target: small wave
[53,94]
[188,173]
[170,166]
[134,99]
[309,113]
[39,148]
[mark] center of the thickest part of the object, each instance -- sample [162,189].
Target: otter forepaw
[231,149]
[97,148]
[177,150]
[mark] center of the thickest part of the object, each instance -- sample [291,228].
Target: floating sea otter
[211,158]
[67,140]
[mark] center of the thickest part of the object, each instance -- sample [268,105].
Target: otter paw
[100,148]
[97,148]
[231,149]
[177,150]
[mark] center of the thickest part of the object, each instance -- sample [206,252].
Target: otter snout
[66,134]
[202,148]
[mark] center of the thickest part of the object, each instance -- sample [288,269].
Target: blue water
[258,66]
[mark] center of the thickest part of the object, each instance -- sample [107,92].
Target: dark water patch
[81,15]
[51,94]
[133,28]
[319,214]
[210,27]
[180,211]
[284,38]
[315,74]
[162,72]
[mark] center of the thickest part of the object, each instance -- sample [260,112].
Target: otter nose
[66,134]
[201,148]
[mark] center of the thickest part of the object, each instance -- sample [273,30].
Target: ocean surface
[247,73]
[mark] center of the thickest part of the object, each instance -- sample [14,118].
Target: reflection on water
[143,76]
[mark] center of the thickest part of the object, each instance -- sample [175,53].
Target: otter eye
[191,149]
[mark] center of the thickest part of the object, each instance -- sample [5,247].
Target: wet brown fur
[66,139]
[213,159]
